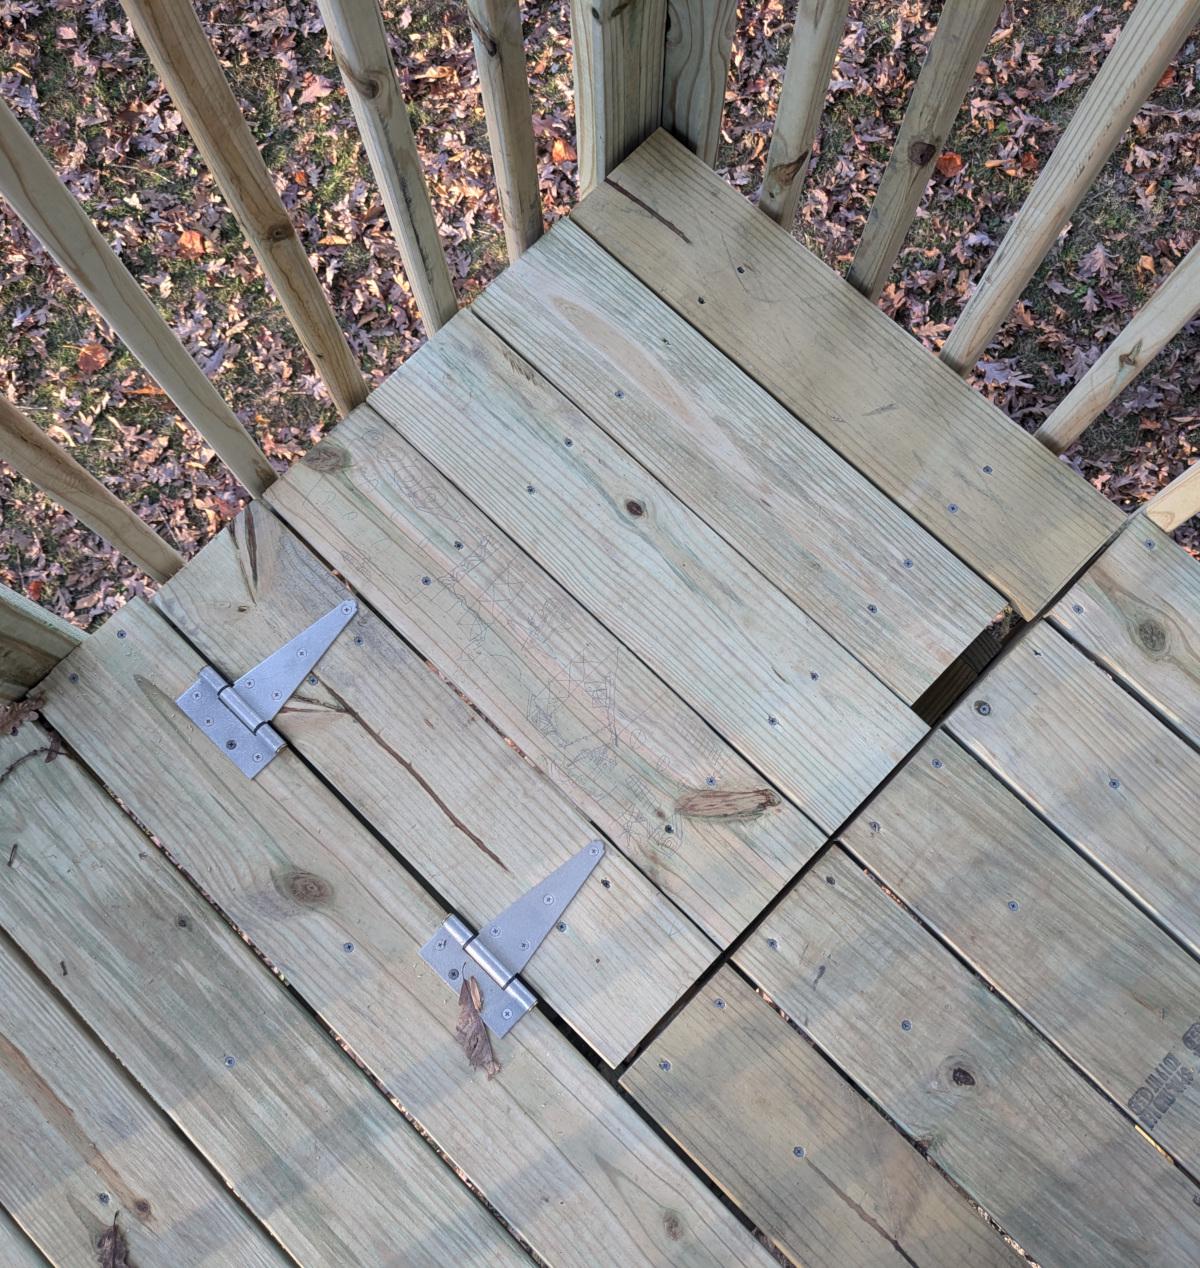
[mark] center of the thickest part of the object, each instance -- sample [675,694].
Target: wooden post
[31,453]
[1143,50]
[175,40]
[700,37]
[45,204]
[619,51]
[32,641]
[815,40]
[1165,313]
[1178,502]
[500,56]
[963,31]
[360,46]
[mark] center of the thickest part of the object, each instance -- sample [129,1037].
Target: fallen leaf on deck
[14,713]
[471,1032]
[112,1250]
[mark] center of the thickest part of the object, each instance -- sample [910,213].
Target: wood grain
[31,453]
[963,30]
[1085,754]
[1056,1164]
[577,702]
[1137,611]
[1152,327]
[15,1248]
[854,561]
[816,1167]
[1095,975]
[263,1092]
[32,641]
[464,808]
[617,48]
[981,486]
[504,85]
[302,879]
[360,45]
[83,1147]
[1149,40]
[699,43]
[783,692]
[171,34]
[816,36]
[61,225]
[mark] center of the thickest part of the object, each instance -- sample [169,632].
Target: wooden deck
[672,537]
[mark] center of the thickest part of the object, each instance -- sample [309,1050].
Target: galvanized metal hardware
[504,947]
[237,717]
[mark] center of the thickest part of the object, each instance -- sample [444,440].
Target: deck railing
[639,65]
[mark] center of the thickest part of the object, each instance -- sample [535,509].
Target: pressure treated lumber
[853,560]
[645,768]
[618,65]
[1066,948]
[1173,506]
[464,808]
[1117,783]
[356,31]
[15,1248]
[699,44]
[32,641]
[1149,40]
[963,30]
[783,692]
[60,224]
[504,84]
[816,35]
[1137,612]
[298,874]
[1152,327]
[171,34]
[982,487]
[812,1163]
[32,454]
[83,1148]
[281,1113]
[1059,1167]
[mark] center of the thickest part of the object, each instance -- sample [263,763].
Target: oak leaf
[949,163]
[93,357]
[191,244]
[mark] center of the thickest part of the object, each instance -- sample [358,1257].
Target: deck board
[466,811]
[1021,518]
[742,1091]
[1137,611]
[293,1126]
[93,1150]
[16,1250]
[1117,783]
[1116,993]
[550,1143]
[868,573]
[1060,1169]
[635,758]
[766,676]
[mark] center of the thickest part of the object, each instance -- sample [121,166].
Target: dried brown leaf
[112,1250]
[93,357]
[471,1032]
[15,713]
[949,163]
[191,244]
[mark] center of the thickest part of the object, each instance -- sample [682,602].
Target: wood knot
[921,152]
[673,1225]
[635,508]
[308,889]
[962,1076]
[1151,635]
[281,232]
[142,1209]
[326,458]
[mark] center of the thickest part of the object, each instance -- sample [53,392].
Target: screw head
[347,947]
[458,545]
[908,563]
[798,1151]
[231,744]
[773,943]
[507,1014]
[937,763]
[103,1199]
[906,1024]
[772,720]
[122,634]
[987,470]
[872,608]
[530,489]
[1114,783]
[664,1064]
[718,1002]
[427,581]
[953,508]
[1013,905]
[669,830]
[453,975]
[72,677]
[230,1062]
[982,708]
[1077,608]
[561,926]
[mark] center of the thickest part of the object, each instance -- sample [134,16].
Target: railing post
[31,453]
[32,641]
[45,204]
[619,51]
[1178,502]
[698,47]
